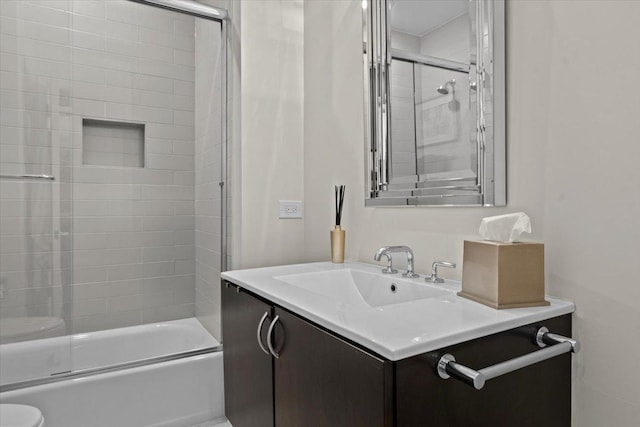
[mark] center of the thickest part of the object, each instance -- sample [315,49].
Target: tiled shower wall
[403,129]
[208,173]
[134,253]
[453,156]
[443,146]
[133,228]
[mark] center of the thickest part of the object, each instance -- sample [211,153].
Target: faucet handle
[389,268]
[434,271]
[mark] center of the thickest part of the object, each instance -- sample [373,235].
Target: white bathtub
[180,392]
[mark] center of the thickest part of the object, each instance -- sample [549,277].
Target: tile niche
[112,143]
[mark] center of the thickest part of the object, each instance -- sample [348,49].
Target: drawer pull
[270,337]
[259,332]
[447,366]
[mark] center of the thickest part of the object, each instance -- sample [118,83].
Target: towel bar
[556,345]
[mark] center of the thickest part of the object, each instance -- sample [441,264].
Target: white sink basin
[356,287]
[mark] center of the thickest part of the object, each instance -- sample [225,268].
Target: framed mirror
[434,102]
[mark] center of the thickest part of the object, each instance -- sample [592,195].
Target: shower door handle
[30,176]
[270,337]
[259,332]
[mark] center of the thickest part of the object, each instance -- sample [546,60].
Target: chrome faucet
[387,250]
[434,271]
[389,268]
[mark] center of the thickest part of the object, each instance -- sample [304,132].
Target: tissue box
[503,275]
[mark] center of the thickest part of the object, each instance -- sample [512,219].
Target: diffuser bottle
[338,234]
[337,244]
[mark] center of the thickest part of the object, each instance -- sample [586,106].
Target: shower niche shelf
[112,143]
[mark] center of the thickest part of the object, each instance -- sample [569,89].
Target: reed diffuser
[338,234]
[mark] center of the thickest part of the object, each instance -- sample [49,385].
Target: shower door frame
[210,13]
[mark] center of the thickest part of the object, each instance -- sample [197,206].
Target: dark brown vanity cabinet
[314,379]
[535,396]
[321,380]
[248,385]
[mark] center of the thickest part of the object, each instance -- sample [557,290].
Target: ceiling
[419,17]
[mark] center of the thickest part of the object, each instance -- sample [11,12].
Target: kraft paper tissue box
[503,275]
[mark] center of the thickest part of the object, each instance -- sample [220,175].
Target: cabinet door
[321,380]
[538,395]
[248,379]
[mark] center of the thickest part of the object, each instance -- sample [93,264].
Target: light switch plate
[290,208]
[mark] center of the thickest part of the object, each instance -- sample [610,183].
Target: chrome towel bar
[447,366]
[28,176]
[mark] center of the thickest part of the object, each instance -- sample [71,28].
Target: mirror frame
[489,188]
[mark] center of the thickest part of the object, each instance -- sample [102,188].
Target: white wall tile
[90,24]
[36,13]
[173,162]
[93,8]
[92,258]
[104,290]
[87,40]
[106,224]
[83,191]
[34,30]
[139,15]
[119,78]
[185,88]
[105,60]
[153,83]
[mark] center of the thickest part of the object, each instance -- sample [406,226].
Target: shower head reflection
[444,88]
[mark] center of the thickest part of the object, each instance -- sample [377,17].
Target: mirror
[434,102]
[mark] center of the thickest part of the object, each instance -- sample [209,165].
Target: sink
[357,287]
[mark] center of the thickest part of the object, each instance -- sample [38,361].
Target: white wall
[271,159]
[572,165]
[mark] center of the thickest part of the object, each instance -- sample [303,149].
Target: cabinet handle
[259,332]
[448,367]
[270,337]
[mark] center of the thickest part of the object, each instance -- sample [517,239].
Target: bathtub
[173,391]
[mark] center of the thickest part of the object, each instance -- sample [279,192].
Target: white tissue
[505,228]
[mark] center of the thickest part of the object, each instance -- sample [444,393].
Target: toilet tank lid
[14,415]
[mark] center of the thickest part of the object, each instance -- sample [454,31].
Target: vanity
[325,344]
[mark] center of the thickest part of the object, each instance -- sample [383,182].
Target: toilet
[13,415]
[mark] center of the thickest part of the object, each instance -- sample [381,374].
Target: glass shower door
[112,164]
[35,183]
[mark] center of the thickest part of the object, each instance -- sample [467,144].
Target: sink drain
[393,287]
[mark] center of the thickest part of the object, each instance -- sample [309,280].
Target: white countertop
[394,331]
